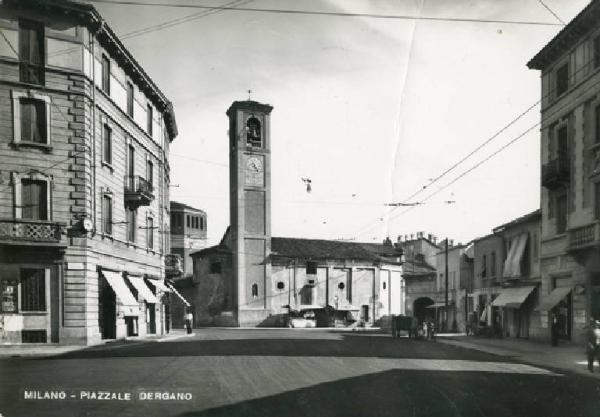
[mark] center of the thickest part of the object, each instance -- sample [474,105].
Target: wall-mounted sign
[10,292]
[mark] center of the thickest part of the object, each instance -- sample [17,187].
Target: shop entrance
[150,318]
[107,306]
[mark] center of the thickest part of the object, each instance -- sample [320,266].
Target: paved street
[291,373]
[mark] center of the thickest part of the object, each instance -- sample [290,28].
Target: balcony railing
[584,236]
[30,230]
[556,172]
[138,191]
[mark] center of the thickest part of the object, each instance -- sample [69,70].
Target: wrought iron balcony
[173,265]
[34,231]
[138,191]
[584,237]
[556,172]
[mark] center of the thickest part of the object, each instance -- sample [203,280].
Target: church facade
[253,279]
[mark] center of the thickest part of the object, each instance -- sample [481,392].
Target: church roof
[317,249]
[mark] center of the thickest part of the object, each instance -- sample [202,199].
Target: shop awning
[512,265]
[143,290]
[552,299]
[117,283]
[159,284]
[512,297]
[437,305]
[347,308]
[178,295]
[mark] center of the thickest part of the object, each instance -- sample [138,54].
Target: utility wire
[552,12]
[335,14]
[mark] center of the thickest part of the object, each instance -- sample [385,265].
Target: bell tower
[250,208]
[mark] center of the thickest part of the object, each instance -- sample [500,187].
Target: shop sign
[579,318]
[9,296]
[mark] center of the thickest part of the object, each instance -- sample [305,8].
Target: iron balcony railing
[584,236]
[30,230]
[138,190]
[556,172]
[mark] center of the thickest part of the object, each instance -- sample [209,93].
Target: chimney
[430,237]
[435,240]
[451,242]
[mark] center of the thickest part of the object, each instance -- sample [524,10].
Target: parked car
[302,319]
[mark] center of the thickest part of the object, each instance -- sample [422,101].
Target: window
[149,172]
[130,99]
[107,219]
[149,120]
[31,52]
[280,285]
[254,290]
[341,285]
[597,200]
[562,79]
[561,213]
[597,52]
[106,74]
[493,264]
[33,289]
[131,161]
[384,285]
[563,141]
[253,132]
[34,119]
[188,220]
[107,145]
[311,268]
[534,250]
[34,199]
[215,268]
[484,266]
[201,223]
[597,123]
[131,224]
[150,233]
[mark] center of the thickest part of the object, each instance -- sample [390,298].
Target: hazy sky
[369,109]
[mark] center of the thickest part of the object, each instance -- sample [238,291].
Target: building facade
[189,229]
[84,179]
[570,186]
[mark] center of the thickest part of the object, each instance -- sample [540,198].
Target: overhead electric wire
[333,14]
[552,12]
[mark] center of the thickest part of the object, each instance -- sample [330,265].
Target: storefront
[515,309]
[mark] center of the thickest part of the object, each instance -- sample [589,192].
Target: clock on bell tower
[250,208]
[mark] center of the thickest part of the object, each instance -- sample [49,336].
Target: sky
[371,110]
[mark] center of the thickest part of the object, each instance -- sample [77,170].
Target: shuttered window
[105,74]
[34,199]
[130,99]
[149,172]
[562,79]
[33,120]
[31,52]
[107,218]
[33,290]
[149,120]
[107,144]
[561,213]
[131,225]
[150,233]
[597,52]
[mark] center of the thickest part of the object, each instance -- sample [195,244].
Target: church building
[253,279]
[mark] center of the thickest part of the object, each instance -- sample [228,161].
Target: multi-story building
[570,186]
[457,260]
[84,179]
[188,234]
[507,277]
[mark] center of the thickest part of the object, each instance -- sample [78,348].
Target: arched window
[280,285]
[253,132]
[254,290]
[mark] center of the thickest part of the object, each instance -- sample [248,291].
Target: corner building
[570,180]
[84,179]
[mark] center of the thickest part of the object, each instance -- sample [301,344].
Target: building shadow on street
[398,393]
[343,345]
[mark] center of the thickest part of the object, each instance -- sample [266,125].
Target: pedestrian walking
[554,330]
[189,320]
[593,344]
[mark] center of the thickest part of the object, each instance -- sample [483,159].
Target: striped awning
[142,288]
[179,295]
[128,301]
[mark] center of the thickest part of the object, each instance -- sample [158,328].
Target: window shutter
[26,121]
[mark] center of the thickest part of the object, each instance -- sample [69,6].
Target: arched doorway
[421,311]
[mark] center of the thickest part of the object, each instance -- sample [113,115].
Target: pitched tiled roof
[175,205]
[585,22]
[412,268]
[320,249]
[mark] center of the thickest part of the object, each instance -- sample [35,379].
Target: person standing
[593,344]
[554,330]
[189,320]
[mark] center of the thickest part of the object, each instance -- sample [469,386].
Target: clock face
[254,171]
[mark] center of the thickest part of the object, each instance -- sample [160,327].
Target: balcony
[35,232]
[584,237]
[556,172]
[138,191]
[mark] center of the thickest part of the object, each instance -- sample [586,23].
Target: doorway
[150,318]
[107,305]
